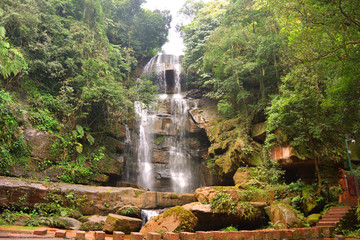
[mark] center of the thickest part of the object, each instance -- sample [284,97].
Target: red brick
[136,236]
[171,236]
[187,236]
[60,234]
[217,235]
[153,236]
[326,232]
[40,232]
[269,234]
[244,235]
[80,235]
[118,236]
[289,234]
[277,234]
[263,235]
[304,233]
[315,232]
[233,235]
[99,235]
[295,233]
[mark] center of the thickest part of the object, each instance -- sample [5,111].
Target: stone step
[333,216]
[330,219]
[327,224]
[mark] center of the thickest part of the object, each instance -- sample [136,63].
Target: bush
[223,203]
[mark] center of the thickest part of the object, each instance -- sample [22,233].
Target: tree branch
[356,22]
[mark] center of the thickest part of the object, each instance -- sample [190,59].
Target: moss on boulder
[286,216]
[124,224]
[176,219]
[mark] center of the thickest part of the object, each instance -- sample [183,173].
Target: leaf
[80,130]
[90,138]
[79,148]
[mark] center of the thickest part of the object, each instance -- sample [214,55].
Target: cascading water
[164,162]
[145,176]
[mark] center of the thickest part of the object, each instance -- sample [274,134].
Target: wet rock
[120,223]
[285,215]
[164,106]
[164,126]
[160,156]
[175,219]
[208,174]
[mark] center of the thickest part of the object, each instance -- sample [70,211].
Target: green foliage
[223,203]
[12,146]
[130,211]
[12,61]
[72,64]
[186,217]
[159,140]
[269,173]
[230,228]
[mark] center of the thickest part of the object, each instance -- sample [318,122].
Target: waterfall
[146,120]
[146,215]
[164,162]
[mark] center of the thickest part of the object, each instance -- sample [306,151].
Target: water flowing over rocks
[168,149]
[100,200]
[176,219]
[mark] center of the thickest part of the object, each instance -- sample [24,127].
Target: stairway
[333,216]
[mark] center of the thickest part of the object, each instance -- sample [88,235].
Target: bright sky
[175,43]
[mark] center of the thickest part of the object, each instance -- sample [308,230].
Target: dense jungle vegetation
[292,64]
[67,68]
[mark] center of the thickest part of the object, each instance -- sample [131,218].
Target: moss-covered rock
[313,218]
[231,147]
[129,211]
[176,219]
[124,224]
[286,216]
[268,195]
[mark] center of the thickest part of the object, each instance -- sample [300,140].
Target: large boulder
[121,223]
[99,200]
[72,223]
[285,215]
[249,215]
[93,223]
[39,142]
[175,219]
[207,194]
[129,211]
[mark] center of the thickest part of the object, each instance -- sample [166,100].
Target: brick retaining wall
[265,234]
